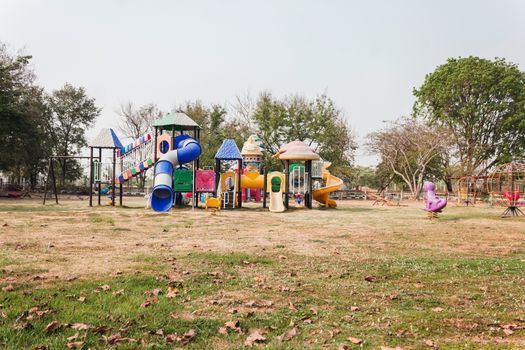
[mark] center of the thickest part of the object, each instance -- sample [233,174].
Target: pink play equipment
[205,181]
[434,204]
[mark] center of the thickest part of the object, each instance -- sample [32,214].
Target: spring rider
[434,205]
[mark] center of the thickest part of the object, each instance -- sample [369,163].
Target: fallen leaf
[188,337]
[75,345]
[508,331]
[172,292]
[73,337]
[354,340]
[149,302]
[371,278]
[289,334]
[389,348]
[354,308]
[114,339]
[334,332]
[348,318]
[80,326]
[255,337]
[105,287]
[437,309]
[222,330]
[291,306]
[118,293]
[100,329]
[81,298]
[8,288]
[429,343]
[170,338]
[52,326]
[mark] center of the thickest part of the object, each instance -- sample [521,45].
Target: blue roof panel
[228,151]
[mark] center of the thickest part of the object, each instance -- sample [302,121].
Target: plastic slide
[333,183]
[276,192]
[187,150]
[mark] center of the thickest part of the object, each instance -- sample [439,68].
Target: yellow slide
[333,183]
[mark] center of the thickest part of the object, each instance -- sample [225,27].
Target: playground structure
[434,205]
[506,185]
[469,189]
[173,152]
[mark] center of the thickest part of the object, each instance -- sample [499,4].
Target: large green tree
[318,122]
[482,103]
[24,129]
[73,113]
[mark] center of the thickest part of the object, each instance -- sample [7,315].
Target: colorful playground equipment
[252,181]
[333,183]
[173,152]
[276,183]
[506,186]
[177,151]
[434,205]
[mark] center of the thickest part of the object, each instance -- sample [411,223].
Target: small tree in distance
[408,147]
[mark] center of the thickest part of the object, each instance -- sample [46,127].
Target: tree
[135,122]
[318,122]
[482,103]
[408,147]
[73,112]
[25,119]
[215,127]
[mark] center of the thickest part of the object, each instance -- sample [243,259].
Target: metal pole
[113,187]
[265,187]
[310,185]
[100,167]
[217,176]
[193,201]
[239,189]
[54,182]
[286,183]
[47,180]
[155,146]
[91,175]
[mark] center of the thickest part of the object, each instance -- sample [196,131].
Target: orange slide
[333,183]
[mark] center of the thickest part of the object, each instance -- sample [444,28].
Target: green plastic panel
[183,180]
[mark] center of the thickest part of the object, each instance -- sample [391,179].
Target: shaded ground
[383,276]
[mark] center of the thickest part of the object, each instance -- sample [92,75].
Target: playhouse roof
[176,121]
[251,148]
[228,151]
[297,150]
[106,138]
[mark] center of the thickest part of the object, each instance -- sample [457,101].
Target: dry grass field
[359,276]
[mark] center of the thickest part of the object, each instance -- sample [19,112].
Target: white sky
[366,55]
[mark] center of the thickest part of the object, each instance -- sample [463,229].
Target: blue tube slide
[188,149]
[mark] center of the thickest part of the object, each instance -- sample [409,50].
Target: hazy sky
[366,55]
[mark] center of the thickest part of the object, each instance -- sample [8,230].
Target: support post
[193,194]
[54,182]
[47,180]
[286,183]
[217,176]
[155,145]
[113,187]
[100,165]
[239,189]
[120,193]
[265,186]
[308,166]
[91,176]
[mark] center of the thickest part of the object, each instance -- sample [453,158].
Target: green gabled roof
[176,121]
